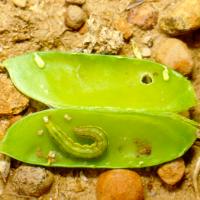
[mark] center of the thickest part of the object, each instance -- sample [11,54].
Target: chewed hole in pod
[147,79]
[99,85]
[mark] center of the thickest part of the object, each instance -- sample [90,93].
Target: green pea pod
[79,80]
[123,139]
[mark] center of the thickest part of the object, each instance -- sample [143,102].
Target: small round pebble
[75,17]
[146,52]
[32,181]
[172,172]
[174,53]
[119,184]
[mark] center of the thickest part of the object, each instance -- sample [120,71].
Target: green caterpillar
[75,149]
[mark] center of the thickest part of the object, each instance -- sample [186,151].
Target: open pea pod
[63,80]
[109,139]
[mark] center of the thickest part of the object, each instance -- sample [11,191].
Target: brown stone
[11,100]
[181,17]
[175,54]
[119,184]
[172,172]
[32,181]
[124,27]
[75,17]
[145,16]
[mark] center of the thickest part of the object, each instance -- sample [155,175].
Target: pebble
[75,17]
[78,2]
[4,166]
[181,17]
[175,54]
[11,100]
[146,52]
[20,3]
[119,184]
[124,27]
[4,171]
[32,181]
[144,16]
[172,172]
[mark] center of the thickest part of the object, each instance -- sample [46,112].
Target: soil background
[109,27]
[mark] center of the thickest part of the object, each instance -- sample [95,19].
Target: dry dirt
[31,25]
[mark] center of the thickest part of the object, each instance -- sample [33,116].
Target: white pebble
[146,52]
